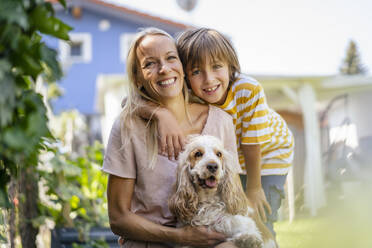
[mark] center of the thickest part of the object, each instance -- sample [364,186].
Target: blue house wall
[79,81]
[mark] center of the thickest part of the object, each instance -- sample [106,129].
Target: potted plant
[76,197]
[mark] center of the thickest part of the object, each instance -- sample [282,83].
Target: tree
[23,123]
[351,64]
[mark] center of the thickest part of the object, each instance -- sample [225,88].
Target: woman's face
[161,72]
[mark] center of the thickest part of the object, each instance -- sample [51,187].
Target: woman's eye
[217,66]
[148,64]
[198,154]
[171,57]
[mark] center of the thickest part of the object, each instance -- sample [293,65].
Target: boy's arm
[254,190]
[170,136]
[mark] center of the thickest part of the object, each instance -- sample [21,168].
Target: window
[125,41]
[78,50]
[346,133]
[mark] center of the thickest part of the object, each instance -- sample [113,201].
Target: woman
[140,179]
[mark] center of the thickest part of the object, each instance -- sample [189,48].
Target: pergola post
[292,95]
[313,177]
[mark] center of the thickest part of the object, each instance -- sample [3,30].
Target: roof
[281,90]
[127,13]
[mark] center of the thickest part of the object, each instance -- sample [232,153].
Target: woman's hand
[200,237]
[195,236]
[171,139]
[258,201]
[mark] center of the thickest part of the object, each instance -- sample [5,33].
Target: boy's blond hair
[195,45]
[136,94]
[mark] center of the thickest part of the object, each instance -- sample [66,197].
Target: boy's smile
[210,82]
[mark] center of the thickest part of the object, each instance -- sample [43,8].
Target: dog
[208,192]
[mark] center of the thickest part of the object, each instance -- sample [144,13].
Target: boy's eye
[195,72]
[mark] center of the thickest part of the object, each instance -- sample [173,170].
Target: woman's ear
[231,188]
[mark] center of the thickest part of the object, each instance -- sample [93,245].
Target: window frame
[86,48]
[125,41]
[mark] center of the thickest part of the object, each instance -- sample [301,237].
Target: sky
[280,37]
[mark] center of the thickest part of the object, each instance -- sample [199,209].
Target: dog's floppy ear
[184,200]
[231,189]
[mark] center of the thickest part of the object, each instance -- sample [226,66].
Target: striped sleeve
[254,113]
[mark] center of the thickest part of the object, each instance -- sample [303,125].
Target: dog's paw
[248,241]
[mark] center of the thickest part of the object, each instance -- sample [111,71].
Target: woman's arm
[254,190]
[129,225]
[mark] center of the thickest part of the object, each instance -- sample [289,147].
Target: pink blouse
[153,186]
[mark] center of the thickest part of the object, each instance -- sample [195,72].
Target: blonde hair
[136,95]
[195,45]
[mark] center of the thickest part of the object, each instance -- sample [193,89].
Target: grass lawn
[346,225]
[296,234]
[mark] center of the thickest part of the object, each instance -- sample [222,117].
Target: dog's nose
[212,167]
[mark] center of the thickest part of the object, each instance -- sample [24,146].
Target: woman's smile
[161,68]
[167,83]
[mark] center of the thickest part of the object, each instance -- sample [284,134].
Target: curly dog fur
[208,192]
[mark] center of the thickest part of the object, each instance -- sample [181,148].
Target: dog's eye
[219,154]
[198,154]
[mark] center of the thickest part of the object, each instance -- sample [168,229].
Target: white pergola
[308,95]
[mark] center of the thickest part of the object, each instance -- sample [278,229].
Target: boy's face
[210,82]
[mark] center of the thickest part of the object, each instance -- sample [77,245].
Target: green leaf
[49,7]
[9,36]
[38,221]
[25,82]
[49,56]
[61,165]
[63,2]
[67,191]
[30,65]
[26,57]
[42,20]
[7,95]
[4,199]
[37,125]
[74,201]
[3,239]
[12,11]
[15,138]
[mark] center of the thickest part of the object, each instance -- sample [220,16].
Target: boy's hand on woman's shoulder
[170,136]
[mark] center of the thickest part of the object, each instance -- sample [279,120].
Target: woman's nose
[164,67]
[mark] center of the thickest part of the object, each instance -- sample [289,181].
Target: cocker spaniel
[208,192]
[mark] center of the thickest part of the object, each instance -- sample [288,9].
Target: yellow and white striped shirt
[256,123]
